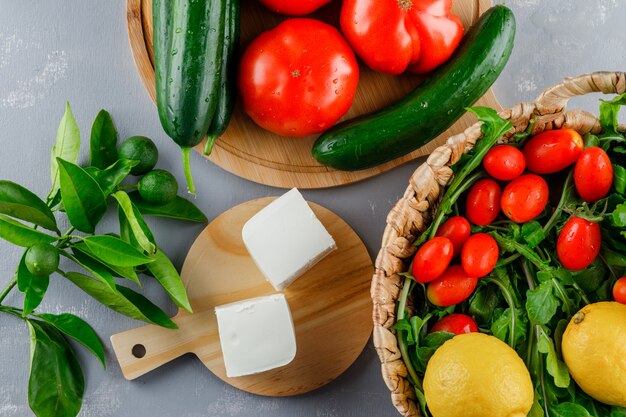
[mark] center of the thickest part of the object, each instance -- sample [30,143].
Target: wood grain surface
[250,152]
[330,304]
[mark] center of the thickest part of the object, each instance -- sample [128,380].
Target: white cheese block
[285,239]
[256,335]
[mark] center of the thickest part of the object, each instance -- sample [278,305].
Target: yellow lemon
[594,349]
[476,375]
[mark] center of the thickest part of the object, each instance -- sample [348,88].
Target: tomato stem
[405,4]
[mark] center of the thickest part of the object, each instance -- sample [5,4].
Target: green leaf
[554,365]
[20,234]
[67,146]
[533,234]
[569,410]
[536,410]
[618,412]
[16,201]
[504,324]
[541,304]
[83,199]
[619,179]
[115,251]
[127,272]
[431,343]
[112,176]
[591,140]
[608,114]
[33,287]
[93,266]
[619,215]
[56,384]
[421,399]
[122,300]
[483,303]
[164,271]
[141,232]
[403,327]
[79,330]
[592,277]
[180,209]
[103,142]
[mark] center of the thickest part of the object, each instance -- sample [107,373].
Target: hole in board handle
[139,351]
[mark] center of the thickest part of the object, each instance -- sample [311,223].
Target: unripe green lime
[42,259]
[142,149]
[158,187]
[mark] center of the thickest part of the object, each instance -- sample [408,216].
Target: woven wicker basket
[414,211]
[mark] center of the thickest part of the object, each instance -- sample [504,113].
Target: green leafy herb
[533,233]
[569,410]
[554,365]
[180,209]
[541,304]
[103,143]
[619,179]
[67,147]
[18,202]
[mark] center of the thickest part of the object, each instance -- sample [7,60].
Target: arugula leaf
[404,327]
[180,209]
[67,147]
[431,343]
[112,176]
[619,215]
[536,410]
[554,365]
[79,330]
[21,235]
[56,384]
[128,213]
[421,400]
[103,141]
[619,178]
[533,234]
[541,304]
[569,410]
[115,251]
[592,277]
[83,199]
[20,203]
[503,325]
[618,412]
[483,303]
[608,114]
[591,140]
[33,287]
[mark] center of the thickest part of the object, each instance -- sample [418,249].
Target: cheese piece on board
[285,239]
[256,335]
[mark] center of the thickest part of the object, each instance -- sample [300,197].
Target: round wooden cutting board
[330,305]
[250,152]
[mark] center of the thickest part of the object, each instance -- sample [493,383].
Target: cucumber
[228,86]
[188,65]
[431,108]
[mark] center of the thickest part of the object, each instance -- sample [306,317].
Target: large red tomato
[298,78]
[294,7]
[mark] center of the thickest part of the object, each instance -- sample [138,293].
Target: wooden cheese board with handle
[250,152]
[330,305]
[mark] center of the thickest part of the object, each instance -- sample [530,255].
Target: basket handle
[554,99]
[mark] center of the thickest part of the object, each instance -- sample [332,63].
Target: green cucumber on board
[188,65]
[431,108]
[228,85]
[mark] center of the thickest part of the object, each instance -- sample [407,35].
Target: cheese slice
[285,239]
[256,335]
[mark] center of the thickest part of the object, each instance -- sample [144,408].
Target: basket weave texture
[413,212]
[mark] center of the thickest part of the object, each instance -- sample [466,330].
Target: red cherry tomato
[294,8]
[455,323]
[483,202]
[553,150]
[480,255]
[593,174]
[524,198]
[432,259]
[578,243]
[452,287]
[504,162]
[298,78]
[619,290]
[457,229]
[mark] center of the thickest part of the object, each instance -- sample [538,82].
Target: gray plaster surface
[77,51]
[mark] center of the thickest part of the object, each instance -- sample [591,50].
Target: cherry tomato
[619,290]
[578,243]
[480,255]
[524,198]
[298,78]
[593,174]
[457,229]
[483,202]
[452,287]
[294,8]
[504,162]
[455,323]
[553,150]
[432,259]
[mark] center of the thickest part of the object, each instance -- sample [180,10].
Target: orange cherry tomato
[578,243]
[619,290]
[480,255]
[452,287]
[553,150]
[432,259]
[524,198]
[455,323]
[457,229]
[483,202]
[504,162]
[593,174]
